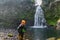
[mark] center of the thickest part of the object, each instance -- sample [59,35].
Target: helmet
[23,22]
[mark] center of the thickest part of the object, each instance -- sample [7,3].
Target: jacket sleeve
[19,26]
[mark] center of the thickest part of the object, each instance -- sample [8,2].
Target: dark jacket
[21,29]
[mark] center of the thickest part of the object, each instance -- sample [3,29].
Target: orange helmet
[23,22]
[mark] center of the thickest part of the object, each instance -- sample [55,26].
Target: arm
[19,26]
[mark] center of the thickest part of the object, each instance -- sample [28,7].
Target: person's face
[23,23]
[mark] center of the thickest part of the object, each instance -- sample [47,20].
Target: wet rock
[58,25]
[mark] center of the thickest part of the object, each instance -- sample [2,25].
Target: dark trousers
[20,36]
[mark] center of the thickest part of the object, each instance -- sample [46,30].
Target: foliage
[52,14]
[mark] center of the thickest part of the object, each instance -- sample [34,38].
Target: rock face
[12,11]
[52,15]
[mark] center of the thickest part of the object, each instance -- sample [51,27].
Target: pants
[20,36]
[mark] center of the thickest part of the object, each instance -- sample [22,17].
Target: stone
[58,24]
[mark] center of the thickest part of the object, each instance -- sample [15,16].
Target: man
[21,30]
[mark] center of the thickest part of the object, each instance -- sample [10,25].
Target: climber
[21,30]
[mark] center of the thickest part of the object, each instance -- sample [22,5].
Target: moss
[52,14]
[51,22]
[10,35]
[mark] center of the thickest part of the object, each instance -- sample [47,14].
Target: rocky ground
[28,35]
[5,32]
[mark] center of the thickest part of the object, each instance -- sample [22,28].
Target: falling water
[39,28]
[39,16]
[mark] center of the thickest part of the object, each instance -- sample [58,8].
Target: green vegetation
[53,14]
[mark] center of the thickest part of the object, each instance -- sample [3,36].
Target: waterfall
[39,21]
[39,28]
[38,2]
